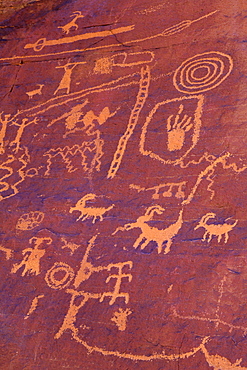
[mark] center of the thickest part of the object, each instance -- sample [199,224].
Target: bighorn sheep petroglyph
[149,234]
[87,212]
[215,229]
[67,27]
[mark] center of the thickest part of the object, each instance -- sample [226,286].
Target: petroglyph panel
[123,182]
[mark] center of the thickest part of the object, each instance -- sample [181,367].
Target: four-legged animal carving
[87,212]
[67,27]
[215,229]
[149,234]
[37,91]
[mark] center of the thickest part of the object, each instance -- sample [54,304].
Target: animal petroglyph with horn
[149,233]
[215,229]
[86,211]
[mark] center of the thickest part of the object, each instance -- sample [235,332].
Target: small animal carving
[86,211]
[215,229]
[67,27]
[37,91]
[148,234]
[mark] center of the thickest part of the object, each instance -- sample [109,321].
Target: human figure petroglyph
[32,257]
[76,305]
[72,24]
[119,276]
[215,229]
[176,131]
[120,318]
[74,308]
[66,79]
[148,234]
[88,212]
[37,91]
[21,127]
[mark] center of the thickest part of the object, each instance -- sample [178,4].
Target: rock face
[123,169]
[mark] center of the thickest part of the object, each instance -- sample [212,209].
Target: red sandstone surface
[123,172]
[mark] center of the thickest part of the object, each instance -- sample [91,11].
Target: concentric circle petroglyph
[202,72]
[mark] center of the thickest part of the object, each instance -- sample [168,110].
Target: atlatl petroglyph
[87,211]
[120,318]
[41,43]
[32,256]
[148,234]
[215,229]
[34,92]
[140,101]
[168,187]
[29,221]
[176,131]
[72,24]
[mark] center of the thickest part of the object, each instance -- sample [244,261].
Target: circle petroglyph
[59,276]
[202,72]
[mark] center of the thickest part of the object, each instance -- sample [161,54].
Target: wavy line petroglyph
[166,189]
[41,43]
[176,135]
[87,211]
[215,229]
[9,168]
[140,101]
[202,72]
[72,24]
[28,221]
[34,305]
[167,32]
[149,234]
